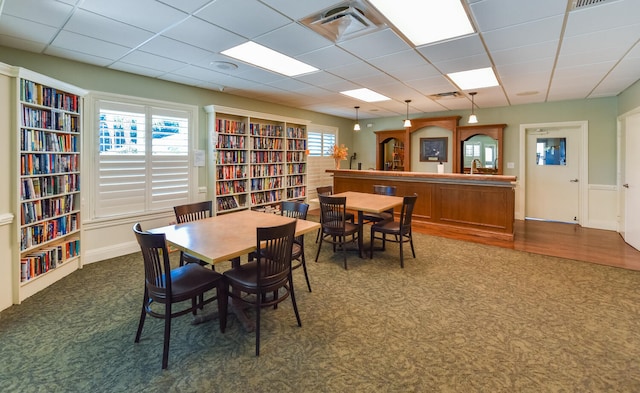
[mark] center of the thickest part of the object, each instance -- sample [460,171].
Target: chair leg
[343,241]
[223,301]
[411,242]
[143,315]
[319,247]
[293,300]
[258,307]
[167,336]
[401,244]
[304,268]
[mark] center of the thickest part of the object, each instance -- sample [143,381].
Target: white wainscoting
[603,207]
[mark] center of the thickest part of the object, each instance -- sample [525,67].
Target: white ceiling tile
[497,14]
[248,18]
[453,49]
[106,29]
[522,55]
[146,14]
[78,56]
[524,34]
[328,57]
[292,40]
[80,43]
[151,61]
[26,30]
[602,17]
[50,13]
[299,9]
[135,69]
[376,44]
[188,6]
[167,47]
[204,35]
[22,44]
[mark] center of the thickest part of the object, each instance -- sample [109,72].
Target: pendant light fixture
[356,127]
[472,117]
[407,122]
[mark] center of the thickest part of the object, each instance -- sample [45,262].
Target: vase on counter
[337,163]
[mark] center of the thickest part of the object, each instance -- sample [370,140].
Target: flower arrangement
[340,152]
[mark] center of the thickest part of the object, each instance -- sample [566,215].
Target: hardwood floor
[561,240]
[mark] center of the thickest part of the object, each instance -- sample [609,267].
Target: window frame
[91,151]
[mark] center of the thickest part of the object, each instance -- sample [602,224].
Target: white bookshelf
[256,159]
[48,131]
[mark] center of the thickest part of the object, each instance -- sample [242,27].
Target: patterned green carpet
[461,317]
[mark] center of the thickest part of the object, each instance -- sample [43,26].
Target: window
[321,143]
[142,162]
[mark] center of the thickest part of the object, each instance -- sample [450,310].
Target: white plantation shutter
[143,160]
[321,143]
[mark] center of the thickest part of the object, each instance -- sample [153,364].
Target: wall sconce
[356,127]
[472,117]
[407,122]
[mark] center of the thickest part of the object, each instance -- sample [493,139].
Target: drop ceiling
[541,51]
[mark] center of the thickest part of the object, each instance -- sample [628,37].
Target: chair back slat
[193,211]
[332,212]
[274,245]
[324,190]
[294,209]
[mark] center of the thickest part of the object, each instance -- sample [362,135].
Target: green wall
[600,113]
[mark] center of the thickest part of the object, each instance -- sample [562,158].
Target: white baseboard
[115,250]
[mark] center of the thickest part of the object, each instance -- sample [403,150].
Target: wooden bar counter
[481,205]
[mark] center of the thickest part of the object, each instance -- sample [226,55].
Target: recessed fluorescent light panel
[424,22]
[365,95]
[474,79]
[263,57]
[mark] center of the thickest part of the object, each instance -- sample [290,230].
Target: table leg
[360,232]
[235,306]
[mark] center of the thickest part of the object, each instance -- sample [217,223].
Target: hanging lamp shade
[356,127]
[407,122]
[472,117]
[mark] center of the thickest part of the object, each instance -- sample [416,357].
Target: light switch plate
[510,165]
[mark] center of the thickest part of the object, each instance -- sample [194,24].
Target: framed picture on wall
[434,149]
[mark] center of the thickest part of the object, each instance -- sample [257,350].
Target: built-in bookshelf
[48,128]
[257,159]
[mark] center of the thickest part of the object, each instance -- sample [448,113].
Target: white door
[631,180]
[553,159]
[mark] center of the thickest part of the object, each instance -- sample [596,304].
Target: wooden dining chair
[385,215]
[401,230]
[167,287]
[192,212]
[266,274]
[299,210]
[334,225]
[328,190]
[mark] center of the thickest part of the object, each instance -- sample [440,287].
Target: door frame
[621,169]
[583,184]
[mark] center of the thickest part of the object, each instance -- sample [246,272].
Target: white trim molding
[6,218]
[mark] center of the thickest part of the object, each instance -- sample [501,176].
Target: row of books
[266,197]
[40,262]
[296,168]
[230,187]
[293,181]
[47,186]
[261,143]
[296,132]
[43,209]
[298,192]
[297,144]
[37,234]
[36,93]
[230,172]
[231,157]
[38,118]
[45,164]
[297,156]
[259,157]
[229,126]
[230,142]
[226,203]
[266,183]
[265,129]
[266,170]
[39,140]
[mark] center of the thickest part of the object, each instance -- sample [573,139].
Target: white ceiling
[541,50]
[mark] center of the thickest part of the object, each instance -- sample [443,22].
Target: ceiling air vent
[578,4]
[445,96]
[346,20]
